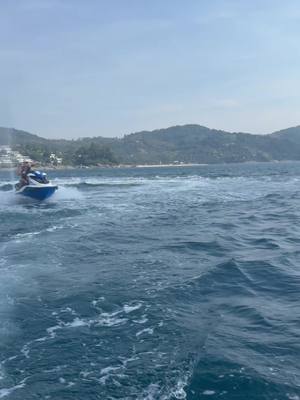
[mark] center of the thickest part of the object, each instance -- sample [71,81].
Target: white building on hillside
[10,158]
[55,160]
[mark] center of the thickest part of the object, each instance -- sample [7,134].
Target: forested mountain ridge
[185,144]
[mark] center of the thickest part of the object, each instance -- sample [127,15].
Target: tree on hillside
[37,152]
[94,154]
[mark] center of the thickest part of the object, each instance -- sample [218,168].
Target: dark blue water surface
[153,283]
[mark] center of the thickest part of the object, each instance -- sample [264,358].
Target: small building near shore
[10,158]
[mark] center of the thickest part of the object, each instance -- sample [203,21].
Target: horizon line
[149,131]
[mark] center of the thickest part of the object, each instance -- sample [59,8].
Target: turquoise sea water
[153,283]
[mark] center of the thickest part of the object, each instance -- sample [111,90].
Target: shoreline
[71,167]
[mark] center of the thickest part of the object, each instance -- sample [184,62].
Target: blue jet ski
[37,187]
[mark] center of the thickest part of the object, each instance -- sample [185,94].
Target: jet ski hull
[37,192]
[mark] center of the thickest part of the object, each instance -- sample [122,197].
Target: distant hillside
[290,134]
[73,152]
[187,144]
[11,136]
[198,144]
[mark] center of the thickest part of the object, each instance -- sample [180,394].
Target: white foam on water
[179,393]
[19,237]
[27,234]
[167,391]
[76,323]
[148,331]
[292,396]
[208,392]
[63,381]
[115,317]
[129,308]
[55,369]
[52,330]
[66,193]
[7,391]
[109,181]
[54,228]
[103,319]
[143,320]
[105,371]
[179,390]
[99,300]
[68,310]
[85,374]
[25,350]
[111,372]
[110,319]
[151,393]
[42,339]
[130,359]
[7,199]
[103,379]
[72,180]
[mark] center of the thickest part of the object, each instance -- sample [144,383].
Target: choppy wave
[90,185]
[6,187]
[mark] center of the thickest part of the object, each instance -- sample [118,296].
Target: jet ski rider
[23,171]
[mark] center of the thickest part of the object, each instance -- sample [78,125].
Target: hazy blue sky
[73,68]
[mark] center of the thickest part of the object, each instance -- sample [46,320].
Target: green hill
[11,136]
[290,134]
[198,144]
[186,144]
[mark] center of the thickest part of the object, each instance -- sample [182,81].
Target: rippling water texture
[158,283]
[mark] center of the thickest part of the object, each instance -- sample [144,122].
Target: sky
[75,68]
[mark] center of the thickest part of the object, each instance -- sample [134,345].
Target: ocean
[153,283]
